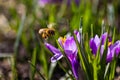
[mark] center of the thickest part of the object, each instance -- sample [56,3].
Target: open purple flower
[112,49]
[70,49]
[69,46]
[94,44]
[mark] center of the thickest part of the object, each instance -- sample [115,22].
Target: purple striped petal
[94,44]
[57,54]
[60,42]
[56,57]
[70,47]
[103,38]
[77,34]
[75,67]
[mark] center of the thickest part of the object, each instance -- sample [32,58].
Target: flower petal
[102,49]
[75,67]
[71,56]
[57,54]
[103,38]
[53,49]
[56,57]
[115,47]
[60,42]
[93,46]
[109,56]
[113,50]
[70,45]
[78,35]
[97,40]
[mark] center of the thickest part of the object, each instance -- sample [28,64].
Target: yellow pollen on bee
[63,39]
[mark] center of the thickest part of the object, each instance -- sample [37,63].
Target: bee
[47,32]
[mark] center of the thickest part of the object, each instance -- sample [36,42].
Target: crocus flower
[69,46]
[42,3]
[112,48]
[95,43]
[70,49]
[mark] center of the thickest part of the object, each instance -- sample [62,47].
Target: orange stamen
[109,43]
[63,39]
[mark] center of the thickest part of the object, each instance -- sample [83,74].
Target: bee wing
[41,31]
[51,25]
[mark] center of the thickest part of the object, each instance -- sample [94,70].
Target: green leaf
[112,68]
[42,77]
[33,61]
[20,30]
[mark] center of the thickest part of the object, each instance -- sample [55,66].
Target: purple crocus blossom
[95,43]
[112,49]
[44,2]
[70,49]
[69,46]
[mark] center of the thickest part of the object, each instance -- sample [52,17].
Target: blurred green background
[20,21]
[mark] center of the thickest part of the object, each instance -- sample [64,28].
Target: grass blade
[37,70]
[33,61]
[20,30]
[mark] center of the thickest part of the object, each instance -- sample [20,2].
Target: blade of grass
[81,51]
[12,67]
[62,9]
[43,58]
[83,60]
[33,61]
[52,13]
[112,68]
[113,36]
[37,70]
[103,62]
[67,60]
[103,27]
[95,70]
[52,66]
[106,70]
[21,25]
[91,30]
[71,76]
